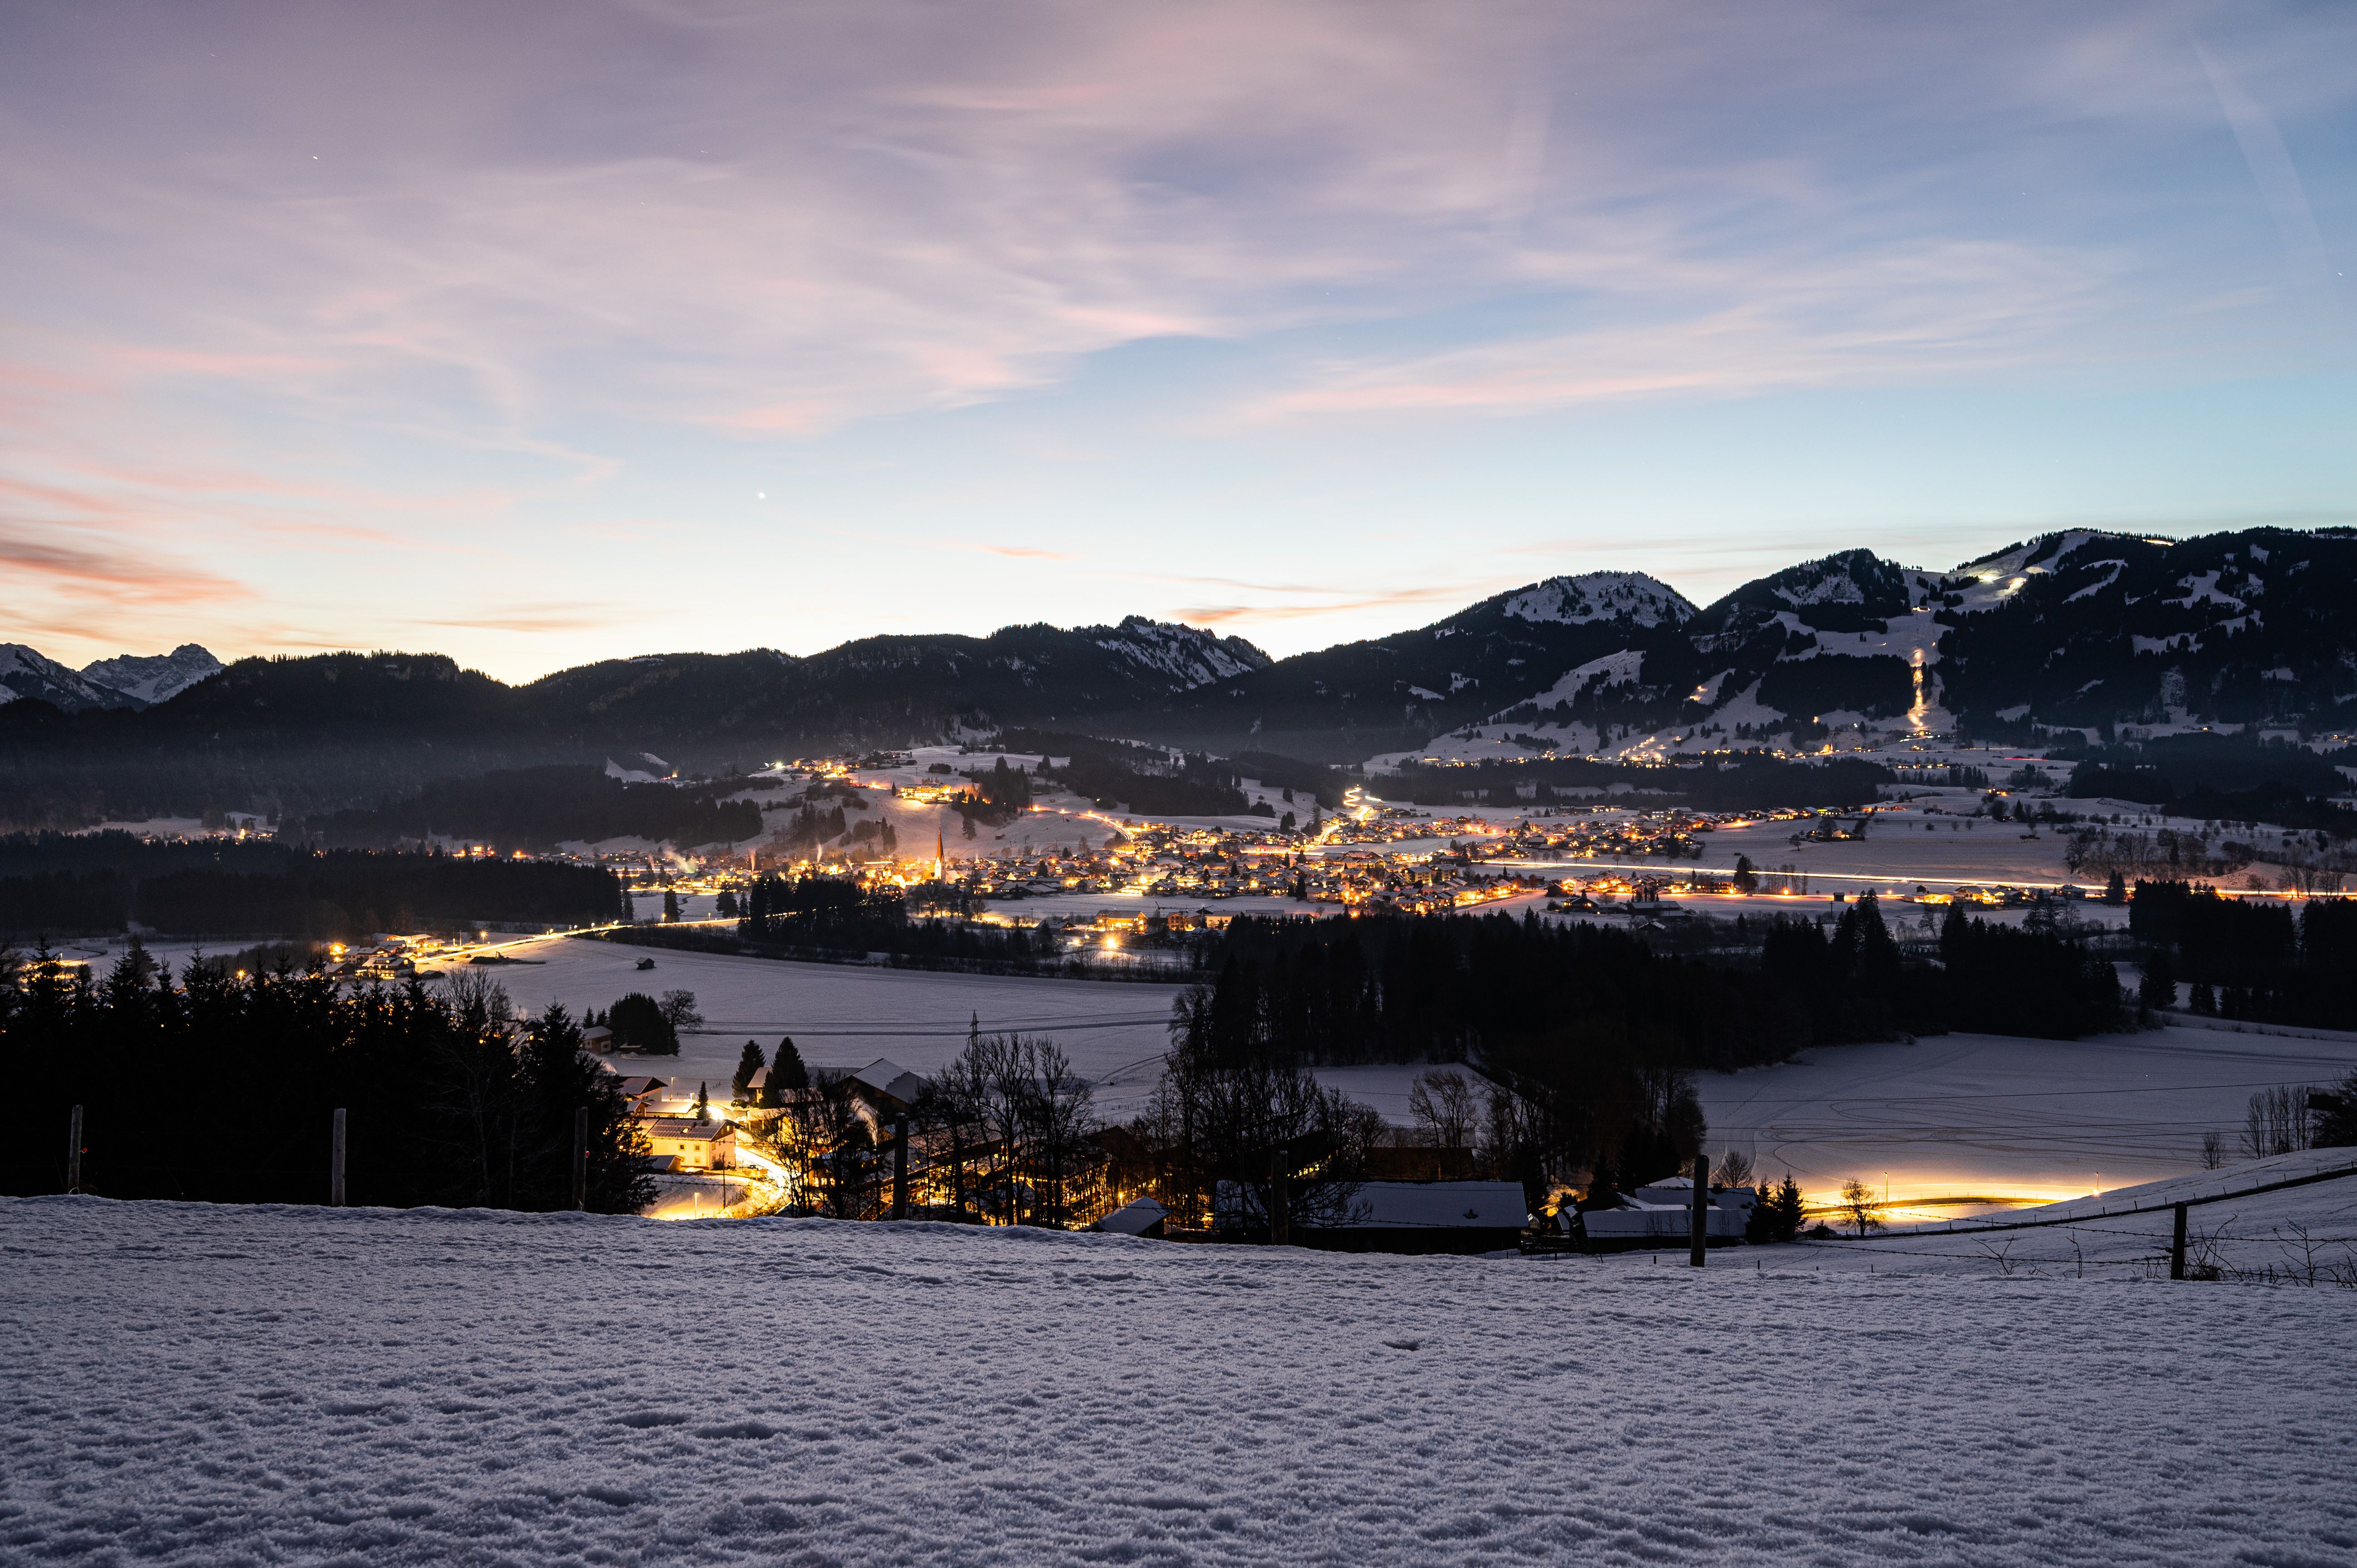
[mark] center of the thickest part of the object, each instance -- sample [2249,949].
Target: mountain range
[130,681]
[2105,633]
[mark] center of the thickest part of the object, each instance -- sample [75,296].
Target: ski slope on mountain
[206,1386]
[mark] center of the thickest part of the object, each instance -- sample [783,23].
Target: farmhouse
[693,1144]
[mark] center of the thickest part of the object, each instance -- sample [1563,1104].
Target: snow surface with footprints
[199,1385]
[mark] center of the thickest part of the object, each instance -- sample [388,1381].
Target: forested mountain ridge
[2104,632]
[1357,699]
[306,736]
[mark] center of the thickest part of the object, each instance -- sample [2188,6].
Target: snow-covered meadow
[200,1386]
[1996,1116]
[847,1016]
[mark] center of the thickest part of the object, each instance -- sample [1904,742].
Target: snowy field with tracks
[208,1386]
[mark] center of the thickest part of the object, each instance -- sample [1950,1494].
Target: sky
[540,333]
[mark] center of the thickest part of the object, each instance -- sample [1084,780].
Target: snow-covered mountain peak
[1630,596]
[1187,654]
[1851,577]
[155,678]
[28,673]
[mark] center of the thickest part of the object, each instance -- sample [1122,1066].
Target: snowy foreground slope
[211,1385]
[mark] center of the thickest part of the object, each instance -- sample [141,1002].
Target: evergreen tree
[2205,998]
[702,1104]
[2157,989]
[639,1025]
[2115,888]
[670,905]
[748,1064]
[1776,1215]
[559,1079]
[726,905]
[786,1069]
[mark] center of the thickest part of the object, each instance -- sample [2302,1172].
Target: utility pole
[900,1164]
[2177,1245]
[73,1151]
[1701,1212]
[336,1163]
[581,1160]
[1280,1199]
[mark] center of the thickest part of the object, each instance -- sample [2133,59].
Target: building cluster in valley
[886,1143]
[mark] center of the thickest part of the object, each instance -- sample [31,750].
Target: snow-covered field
[841,1015]
[201,1386]
[1994,1116]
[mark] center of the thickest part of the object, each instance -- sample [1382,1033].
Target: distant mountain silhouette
[2098,631]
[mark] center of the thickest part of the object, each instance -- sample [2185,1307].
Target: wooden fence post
[73,1151]
[1280,1199]
[2177,1245]
[1700,1229]
[581,1160]
[336,1163]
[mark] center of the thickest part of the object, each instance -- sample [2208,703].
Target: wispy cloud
[535,620]
[261,304]
[1022,553]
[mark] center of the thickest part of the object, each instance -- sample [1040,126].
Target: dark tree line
[2249,958]
[55,885]
[1855,984]
[538,808]
[1118,776]
[1852,982]
[835,915]
[1595,1034]
[1444,988]
[2004,980]
[208,1087]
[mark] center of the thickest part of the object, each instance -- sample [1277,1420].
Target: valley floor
[208,1386]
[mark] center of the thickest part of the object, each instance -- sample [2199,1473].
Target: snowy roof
[683,1127]
[891,1079]
[1135,1218]
[1441,1205]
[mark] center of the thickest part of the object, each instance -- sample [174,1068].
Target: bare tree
[1019,1093]
[1858,1202]
[1734,1169]
[1058,1106]
[2214,1149]
[827,1148]
[1511,1141]
[2277,1122]
[1215,1125]
[1442,1103]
